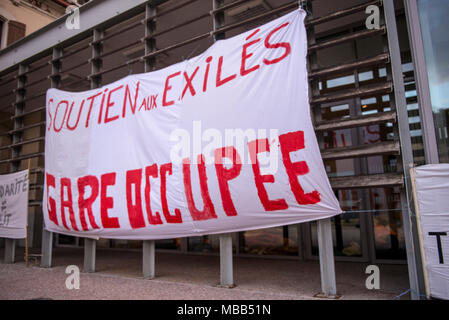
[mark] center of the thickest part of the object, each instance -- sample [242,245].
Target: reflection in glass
[388,227]
[433,18]
[209,243]
[168,244]
[345,227]
[274,241]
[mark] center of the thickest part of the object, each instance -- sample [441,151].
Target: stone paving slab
[184,276]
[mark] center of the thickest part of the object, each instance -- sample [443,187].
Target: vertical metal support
[226,267]
[150,41]
[327,265]
[149,250]
[148,259]
[361,168]
[10,244]
[96,61]
[218,21]
[90,246]
[47,236]
[410,224]
[47,248]
[422,82]
[18,122]
[326,248]
[10,250]
[149,246]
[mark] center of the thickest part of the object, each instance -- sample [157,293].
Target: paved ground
[181,276]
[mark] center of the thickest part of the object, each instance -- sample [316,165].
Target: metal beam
[327,265]
[226,268]
[90,246]
[10,244]
[47,236]
[10,250]
[422,82]
[47,248]
[326,249]
[148,246]
[409,218]
[94,14]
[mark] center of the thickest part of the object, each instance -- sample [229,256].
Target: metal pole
[10,250]
[26,235]
[47,248]
[47,236]
[409,219]
[226,267]
[149,249]
[90,246]
[422,82]
[326,248]
[149,246]
[327,266]
[10,244]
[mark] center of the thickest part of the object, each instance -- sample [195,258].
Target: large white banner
[222,142]
[432,197]
[13,205]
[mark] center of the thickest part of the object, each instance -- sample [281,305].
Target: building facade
[377,96]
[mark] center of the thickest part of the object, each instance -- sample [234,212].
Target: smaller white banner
[13,205]
[432,192]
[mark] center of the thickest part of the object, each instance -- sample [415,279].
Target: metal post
[226,269]
[327,266]
[47,248]
[422,82]
[149,249]
[10,250]
[47,236]
[218,21]
[90,246]
[410,224]
[149,246]
[326,248]
[10,244]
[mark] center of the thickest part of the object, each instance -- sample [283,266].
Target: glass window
[387,223]
[433,18]
[64,240]
[273,241]
[169,244]
[209,243]
[345,227]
